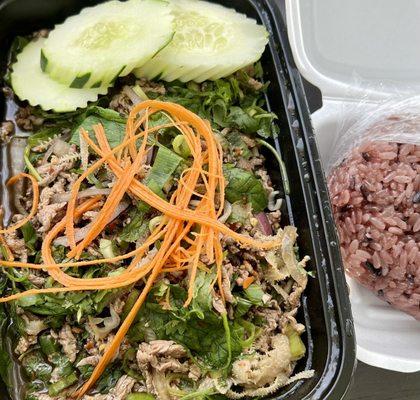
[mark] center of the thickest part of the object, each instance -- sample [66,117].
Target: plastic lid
[344,47]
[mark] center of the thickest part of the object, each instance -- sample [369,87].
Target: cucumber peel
[93,48]
[31,84]
[210,42]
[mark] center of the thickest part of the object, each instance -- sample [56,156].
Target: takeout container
[360,53]
[325,306]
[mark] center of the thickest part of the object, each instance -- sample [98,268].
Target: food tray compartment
[325,307]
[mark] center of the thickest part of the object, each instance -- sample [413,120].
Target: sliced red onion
[92,191]
[264,223]
[80,233]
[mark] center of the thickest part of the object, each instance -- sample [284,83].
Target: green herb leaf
[254,294]
[29,236]
[136,228]
[112,122]
[165,164]
[243,185]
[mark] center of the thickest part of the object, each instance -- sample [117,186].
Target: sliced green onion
[143,96]
[32,170]
[154,222]
[106,248]
[57,387]
[228,339]
[181,147]
[140,396]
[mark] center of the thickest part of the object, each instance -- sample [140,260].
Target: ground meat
[26,120]
[254,84]
[43,396]
[17,246]
[151,87]
[226,285]
[7,129]
[121,103]
[35,279]
[121,390]
[24,343]
[47,212]
[51,170]
[68,342]
[261,369]
[157,357]
[265,179]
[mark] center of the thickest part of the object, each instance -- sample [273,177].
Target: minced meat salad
[145,257]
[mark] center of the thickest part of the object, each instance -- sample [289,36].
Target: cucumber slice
[210,41]
[93,48]
[30,83]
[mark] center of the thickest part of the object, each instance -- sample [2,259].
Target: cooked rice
[375,193]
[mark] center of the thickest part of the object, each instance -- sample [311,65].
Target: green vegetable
[242,306]
[216,102]
[283,171]
[29,236]
[6,363]
[106,247]
[297,347]
[241,213]
[108,380]
[140,396]
[32,170]
[30,83]
[129,303]
[137,227]
[56,388]
[155,222]
[181,147]
[165,164]
[209,336]
[48,344]
[94,47]
[139,92]
[112,122]
[235,142]
[35,366]
[243,185]
[254,294]
[223,42]
[18,44]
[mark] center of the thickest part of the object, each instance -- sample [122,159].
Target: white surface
[353,50]
[338,42]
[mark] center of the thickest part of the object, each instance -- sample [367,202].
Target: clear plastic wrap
[391,121]
[374,184]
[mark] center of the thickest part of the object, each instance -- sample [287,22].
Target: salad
[142,253]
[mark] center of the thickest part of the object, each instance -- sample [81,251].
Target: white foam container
[334,41]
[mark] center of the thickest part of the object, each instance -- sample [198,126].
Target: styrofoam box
[336,45]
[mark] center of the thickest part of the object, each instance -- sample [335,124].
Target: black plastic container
[326,309]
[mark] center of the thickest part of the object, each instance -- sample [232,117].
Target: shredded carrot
[248,281]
